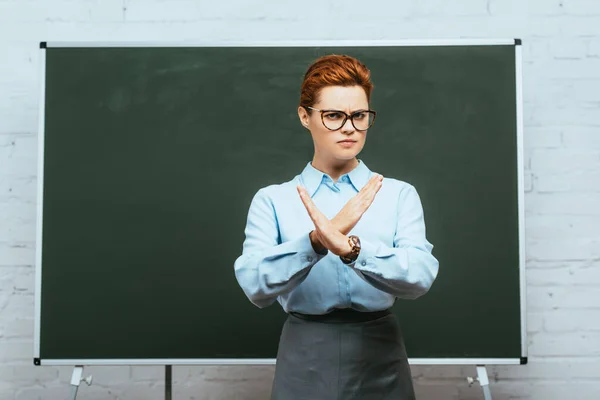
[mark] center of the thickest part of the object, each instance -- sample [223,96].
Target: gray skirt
[345,355]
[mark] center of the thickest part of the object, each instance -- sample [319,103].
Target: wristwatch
[353,255]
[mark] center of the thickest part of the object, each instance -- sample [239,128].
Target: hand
[354,209]
[325,232]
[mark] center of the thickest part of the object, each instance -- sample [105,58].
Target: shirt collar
[312,177]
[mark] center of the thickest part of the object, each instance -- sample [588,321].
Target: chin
[346,156]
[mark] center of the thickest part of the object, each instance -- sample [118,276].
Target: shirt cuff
[306,250]
[366,257]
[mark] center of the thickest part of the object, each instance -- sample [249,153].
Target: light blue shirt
[278,261]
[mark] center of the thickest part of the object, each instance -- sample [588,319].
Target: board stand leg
[76,379]
[168,381]
[482,378]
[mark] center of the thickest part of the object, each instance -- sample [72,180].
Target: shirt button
[363,263]
[309,258]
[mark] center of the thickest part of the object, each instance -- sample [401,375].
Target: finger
[372,184]
[364,192]
[305,199]
[372,181]
[313,212]
[370,195]
[374,187]
[379,183]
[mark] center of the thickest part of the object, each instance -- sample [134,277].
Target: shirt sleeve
[408,269]
[266,267]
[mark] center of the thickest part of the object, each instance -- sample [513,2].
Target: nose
[347,127]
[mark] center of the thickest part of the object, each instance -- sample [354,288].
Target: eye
[359,115]
[333,116]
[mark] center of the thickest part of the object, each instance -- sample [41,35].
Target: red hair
[334,70]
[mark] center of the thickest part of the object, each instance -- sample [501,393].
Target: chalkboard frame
[327,43]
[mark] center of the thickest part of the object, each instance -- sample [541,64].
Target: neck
[334,168]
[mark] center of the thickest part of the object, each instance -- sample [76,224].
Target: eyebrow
[351,112]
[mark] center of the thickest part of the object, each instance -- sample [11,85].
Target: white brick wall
[562,150]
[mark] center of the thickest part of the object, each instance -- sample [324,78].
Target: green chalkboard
[152,155]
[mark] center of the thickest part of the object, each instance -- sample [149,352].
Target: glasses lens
[363,120]
[333,120]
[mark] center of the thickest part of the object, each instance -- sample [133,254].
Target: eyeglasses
[335,119]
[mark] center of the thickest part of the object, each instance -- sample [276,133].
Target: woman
[340,340]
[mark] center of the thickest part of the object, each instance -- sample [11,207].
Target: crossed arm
[267,269]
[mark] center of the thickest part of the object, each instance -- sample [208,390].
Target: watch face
[355,243]
[353,255]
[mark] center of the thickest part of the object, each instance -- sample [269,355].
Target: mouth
[347,141]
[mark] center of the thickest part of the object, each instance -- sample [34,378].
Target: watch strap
[351,257]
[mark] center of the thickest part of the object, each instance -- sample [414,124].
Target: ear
[304,117]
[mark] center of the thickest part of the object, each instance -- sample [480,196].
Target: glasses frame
[346,116]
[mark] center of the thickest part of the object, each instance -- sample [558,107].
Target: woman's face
[346,142]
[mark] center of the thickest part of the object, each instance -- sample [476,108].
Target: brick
[505,7]
[545,8]
[535,321]
[542,298]
[16,253]
[582,7]
[567,114]
[189,10]
[107,375]
[557,227]
[62,10]
[16,352]
[564,25]
[564,160]
[17,329]
[226,373]
[564,273]
[462,8]
[586,92]
[17,305]
[18,112]
[149,372]
[23,374]
[544,27]
[17,222]
[563,203]
[565,344]
[544,92]
[586,68]
[558,93]
[593,47]
[21,190]
[581,137]
[153,391]
[572,320]
[535,49]
[19,59]
[569,249]
[569,48]
[542,137]
[528,182]
[579,181]
[44,392]
[425,374]
[440,392]
[17,280]
[217,390]
[552,369]
[18,155]
[584,391]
